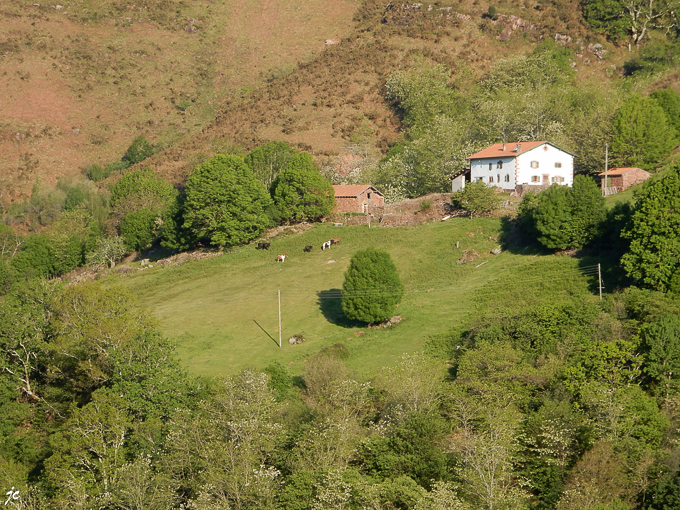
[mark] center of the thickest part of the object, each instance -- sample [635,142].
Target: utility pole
[280,317]
[599,279]
[606,169]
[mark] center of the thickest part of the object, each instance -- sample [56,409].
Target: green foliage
[423,93]
[654,57]
[141,188]
[225,203]
[138,151]
[664,494]
[565,217]
[669,100]
[173,233]
[71,237]
[477,198]
[266,161]
[372,287]
[410,450]
[98,173]
[606,16]
[300,192]
[107,250]
[553,217]
[74,197]
[35,258]
[642,134]
[661,342]
[654,254]
[138,229]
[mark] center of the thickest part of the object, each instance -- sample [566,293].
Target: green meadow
[222,312]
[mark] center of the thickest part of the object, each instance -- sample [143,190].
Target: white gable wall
[552,163]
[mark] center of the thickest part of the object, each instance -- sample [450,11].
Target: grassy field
[222,312]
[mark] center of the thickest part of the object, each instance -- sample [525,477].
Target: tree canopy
[372,287]
[477,198]
[642,134]
[654,254]
[266,161]
[300,191]
[225,204]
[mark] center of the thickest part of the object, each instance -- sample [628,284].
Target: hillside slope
[81,80]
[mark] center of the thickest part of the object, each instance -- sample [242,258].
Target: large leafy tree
[372,287]
[138,202]
[642,135]
[268,160]
[654,253]
[225,204]
[300,192]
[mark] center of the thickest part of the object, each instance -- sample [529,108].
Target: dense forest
[572,404]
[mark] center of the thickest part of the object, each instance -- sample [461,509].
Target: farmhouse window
[479,179]
[490,166]
[507,177]
[558,165]
[491,179]
[369,196]
[499,165]
[534,164]
[535,178]
[558,178]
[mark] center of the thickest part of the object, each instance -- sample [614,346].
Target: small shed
[624,178]
[359,198]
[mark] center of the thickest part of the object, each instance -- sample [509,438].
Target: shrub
[138,151]
[477,198]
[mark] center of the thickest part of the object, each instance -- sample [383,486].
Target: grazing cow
[263,246]
[281,258]
[335,240]
[307,249]
[325,245]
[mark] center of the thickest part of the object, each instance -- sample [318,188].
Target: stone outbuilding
[357,198]
[623,178]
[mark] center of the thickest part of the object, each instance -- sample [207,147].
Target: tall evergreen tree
[553,217]
[225,204]
[669,100]
[372,287]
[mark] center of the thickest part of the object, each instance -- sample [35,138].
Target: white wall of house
[544,164]
[499,172]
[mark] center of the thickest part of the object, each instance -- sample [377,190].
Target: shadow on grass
[330,303]
[266,333]
[513,239]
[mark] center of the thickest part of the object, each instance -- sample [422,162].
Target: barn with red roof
[521,165]
[359,198]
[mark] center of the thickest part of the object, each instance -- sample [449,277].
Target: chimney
[503,147]
[518,148]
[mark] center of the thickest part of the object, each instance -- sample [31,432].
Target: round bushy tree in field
[372,287]
[300,192]
[225,204]
[654,254]
[139,150]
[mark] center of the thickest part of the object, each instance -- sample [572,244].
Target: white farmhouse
[526,164]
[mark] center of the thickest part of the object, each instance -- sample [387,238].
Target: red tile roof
[496,150]
[621,170]
[352,190]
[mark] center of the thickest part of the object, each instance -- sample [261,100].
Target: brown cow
[335,240]
[281,258]
[307,249]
